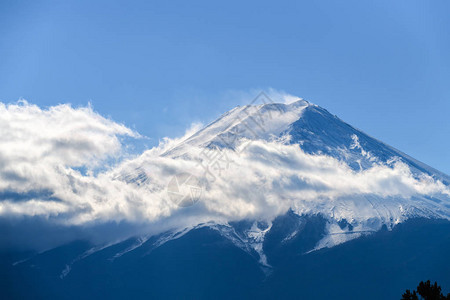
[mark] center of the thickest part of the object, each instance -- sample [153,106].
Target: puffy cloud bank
[67,167]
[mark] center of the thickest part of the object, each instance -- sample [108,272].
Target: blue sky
[382,66]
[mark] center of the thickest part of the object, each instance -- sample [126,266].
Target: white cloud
[246,97]
[282,96]
[40,147]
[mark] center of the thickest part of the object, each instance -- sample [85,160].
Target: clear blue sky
[382,66]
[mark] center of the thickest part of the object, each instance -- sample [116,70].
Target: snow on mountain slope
[318,131]
[308,125]
[264,121]
[300,157]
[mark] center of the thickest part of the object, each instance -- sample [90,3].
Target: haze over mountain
[266,185]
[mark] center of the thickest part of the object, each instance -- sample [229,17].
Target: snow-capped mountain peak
[323,167]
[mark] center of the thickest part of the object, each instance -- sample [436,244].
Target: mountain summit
[310,126]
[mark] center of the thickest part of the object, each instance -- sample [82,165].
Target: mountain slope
[203,264]
[313,128]
[319,131]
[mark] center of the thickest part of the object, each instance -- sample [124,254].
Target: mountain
[308,125]
[339,238]
[317,132]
